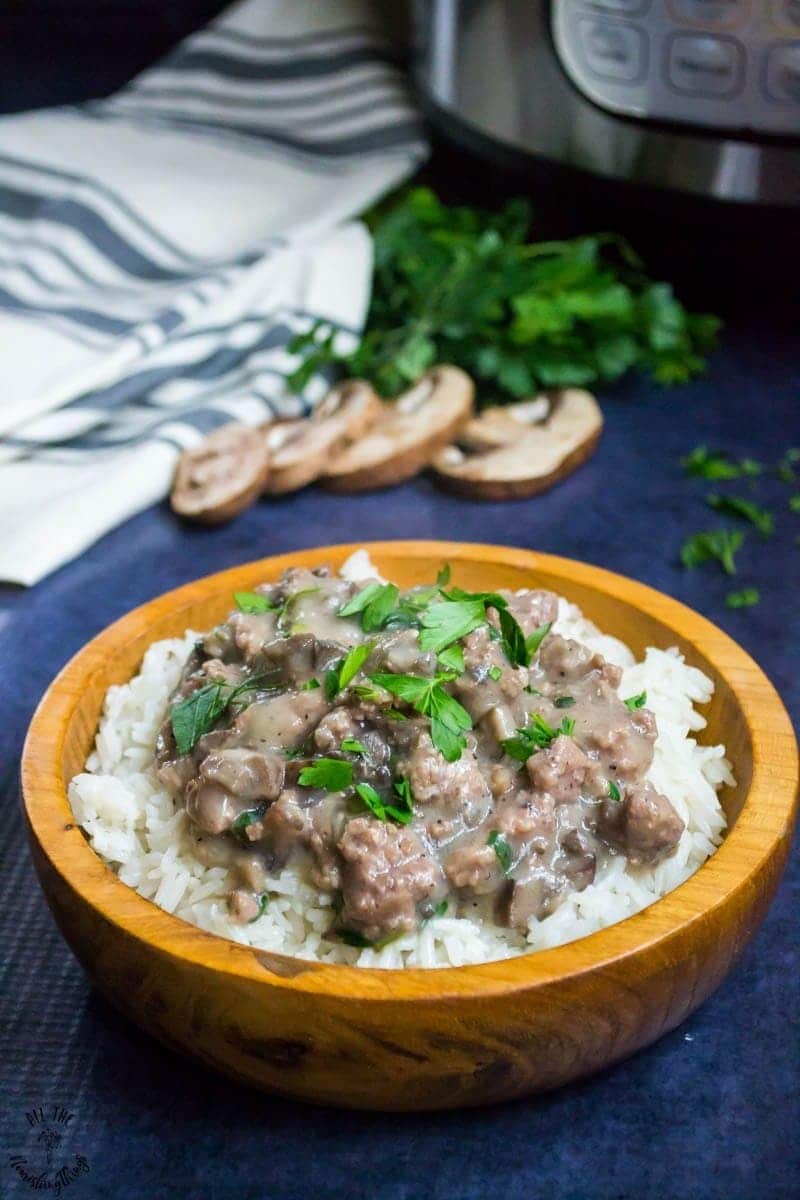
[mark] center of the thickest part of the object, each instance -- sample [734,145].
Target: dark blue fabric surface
[710,1111]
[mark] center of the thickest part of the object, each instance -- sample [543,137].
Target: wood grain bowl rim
[763,826]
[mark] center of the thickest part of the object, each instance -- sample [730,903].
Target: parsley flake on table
[760,517]
[745,598]
[794,503]
[719,544]
[703,463]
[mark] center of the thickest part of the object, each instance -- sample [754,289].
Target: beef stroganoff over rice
[348,773]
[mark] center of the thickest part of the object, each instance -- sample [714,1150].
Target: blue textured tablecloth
[710,1111]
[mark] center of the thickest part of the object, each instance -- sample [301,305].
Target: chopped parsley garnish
[375,603]
[713,464]
[634,702]
[448,621]
[353,746]
[339,676]
[296,752]
[760,517]
[564,701]
[195,715]
[794,503]
[289,603]
[786,471]
[263,902]
[613,790]
[534,640]
[514,645]
[745,598]
[253,602]
[441,909]
[538,735]
[443,577]
[310,685]
[499,844]
[449,719]
[719,544]
[495,673]
[243,821]
[452,659]
[332,774]
[401,811]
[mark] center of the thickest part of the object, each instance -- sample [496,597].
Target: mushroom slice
[505,423]
[300,450]
[221,476]
[407,434]
[531,461]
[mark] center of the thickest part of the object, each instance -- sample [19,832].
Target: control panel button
[612,49]
[720,14]
[703,65]
[786,14]
[628,8]
[782,75]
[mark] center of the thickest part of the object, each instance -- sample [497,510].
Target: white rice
[135,827]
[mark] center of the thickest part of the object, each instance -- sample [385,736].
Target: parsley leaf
[253,602]
[402,812]
[353,746]
[536,736]
[452,659]
[745,598]
[195,715]
[514,644]
[746,509]
[449,719]
[703,463]
[449,621]
[376,603]
[243,821]
[443,577]
[564,701]
[534,640]
[495,673]
[310,685]
[464,286]
[499,844]
[342,673]
[263,904]
[332,774]
[719,544]
[794,503]
[634,702]
[613,790]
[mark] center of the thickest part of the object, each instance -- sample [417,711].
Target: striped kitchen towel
[159,250]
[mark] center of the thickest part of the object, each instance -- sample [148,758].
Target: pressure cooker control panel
[732,64]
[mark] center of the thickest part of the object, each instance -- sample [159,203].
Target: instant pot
[692,98]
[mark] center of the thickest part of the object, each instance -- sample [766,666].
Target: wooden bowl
[419,1039]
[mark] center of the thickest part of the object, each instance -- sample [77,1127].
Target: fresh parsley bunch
[467,287]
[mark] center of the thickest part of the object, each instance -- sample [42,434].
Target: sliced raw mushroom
[505,423]
[221,476]
[407,434]
[300,450]
[532,458]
